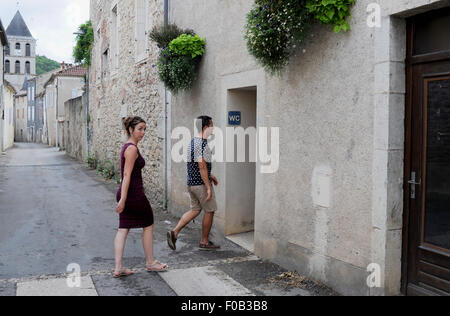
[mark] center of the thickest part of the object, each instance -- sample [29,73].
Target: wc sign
[234,118]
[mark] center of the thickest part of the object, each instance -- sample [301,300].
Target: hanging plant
[163,35]
[180,55]
[276,27]
[273,29]
[178,72]
[332,12]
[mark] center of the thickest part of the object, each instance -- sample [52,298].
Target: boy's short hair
[202,122]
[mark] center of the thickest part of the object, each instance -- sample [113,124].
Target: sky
[51,22]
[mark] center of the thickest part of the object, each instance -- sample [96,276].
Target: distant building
[21,116]
[20,57]
[62,86]
[40,116]
[8,118]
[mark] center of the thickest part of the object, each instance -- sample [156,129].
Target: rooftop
[18,27]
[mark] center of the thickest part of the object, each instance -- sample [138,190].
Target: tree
[85,40]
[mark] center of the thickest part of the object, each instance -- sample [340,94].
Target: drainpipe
[166,132]
[2,113]
[87,114]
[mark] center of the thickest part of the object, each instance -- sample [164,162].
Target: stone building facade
[3,88]
[341,206]
[20,116]
[63,85]
[346,199]
[32,122]
[8,119]
[41,115]
[123,82]
[74,130]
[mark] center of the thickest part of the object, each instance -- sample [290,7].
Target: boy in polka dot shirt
[199,186]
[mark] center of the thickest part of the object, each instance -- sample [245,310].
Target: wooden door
[426,265]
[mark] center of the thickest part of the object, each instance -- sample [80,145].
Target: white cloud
[51,22]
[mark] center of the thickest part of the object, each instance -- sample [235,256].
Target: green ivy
[332,12]
[187,44]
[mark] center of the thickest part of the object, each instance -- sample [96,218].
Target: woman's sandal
[157,267]
[123,273]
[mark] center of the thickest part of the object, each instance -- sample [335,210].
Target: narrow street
[55,212]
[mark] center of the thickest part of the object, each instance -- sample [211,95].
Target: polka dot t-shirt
[199,148]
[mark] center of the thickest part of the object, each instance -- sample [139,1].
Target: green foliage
[274,29]
[177,72]
[106,169]
[44,65]
[163,35]
[118,178]
[83,47]
[179,57]
[186,44]
[332,12]
[92,162]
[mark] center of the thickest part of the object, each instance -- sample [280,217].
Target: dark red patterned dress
[138,212]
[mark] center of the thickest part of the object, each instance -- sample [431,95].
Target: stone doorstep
[204,281]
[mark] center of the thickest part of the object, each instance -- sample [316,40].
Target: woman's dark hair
[203,122]
[132,121]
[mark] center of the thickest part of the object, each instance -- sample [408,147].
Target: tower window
[7,67]
[18,46]
[28,50]
[28,67]
[17,67]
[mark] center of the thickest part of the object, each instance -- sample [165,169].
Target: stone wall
[323,104]
[74,128]
[131,89]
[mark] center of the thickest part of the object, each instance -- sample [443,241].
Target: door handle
[413,184]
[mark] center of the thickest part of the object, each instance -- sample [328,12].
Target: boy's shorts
[198,196]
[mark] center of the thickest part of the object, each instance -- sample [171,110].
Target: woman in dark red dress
[133,206]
